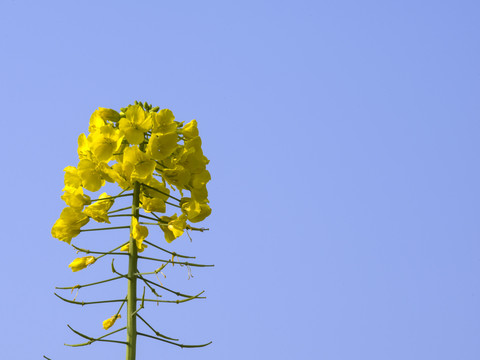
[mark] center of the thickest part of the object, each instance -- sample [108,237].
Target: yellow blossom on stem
[107,324]
[108,114]
[139,233]
[163,122]
[195,210]
[71,179]
[178,176]
[69,224]
[174,228]
[190,130]
[105,142]
[135,124]
[199,180]
[81,263]
[200,195]
[161,146]
[83,150]
[92,178]
[137,165]
[98,210]
[118,175]
[154,200]
[75,198]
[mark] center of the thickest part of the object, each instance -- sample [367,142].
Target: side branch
[155,331]
[174,343]
[111,252]
[108,228]
[176,301]
[81,286]
[91,340]
[112,197]
[161,192]
[174,262]
[173,253]
[165,288]
[89,302]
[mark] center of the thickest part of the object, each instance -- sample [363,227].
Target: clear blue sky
[344,146]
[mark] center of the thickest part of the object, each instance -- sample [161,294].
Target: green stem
[173,343]
[181,301]
[121,306]
[109,228]
[154,219]
[175,262]
[164,288]
[114,211]
[111,197]
[94,283]
[119,215]
[88,302]
[102,253]
[169,252]
[155,331]
[91,340]
[161,192]
[121,300]
[132,279]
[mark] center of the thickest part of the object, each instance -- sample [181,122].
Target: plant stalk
[132,281]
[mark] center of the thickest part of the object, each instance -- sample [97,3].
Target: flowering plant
[150,156]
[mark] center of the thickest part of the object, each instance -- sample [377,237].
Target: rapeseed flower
[81,263]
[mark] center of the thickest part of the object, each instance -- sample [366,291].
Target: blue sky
[343,138]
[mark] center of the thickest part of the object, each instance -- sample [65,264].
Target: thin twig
[169,252]
[155,331]
[109,228]
[81,286]
[174,262]
[91,340]
[173,343]
[161,192]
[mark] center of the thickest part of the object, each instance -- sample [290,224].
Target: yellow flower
[161,146]
[178,176]
[75,198]
[81,263]
[99,118]
[98,211]
[192,157]
[118,175]
[69,224]
[195,210]
[140,248]
[139,233]
[92,178]
[135,124]
[72,180]
[137,165]
[154,200]
[108,114]
[174,228]
[107,324]
[190,130]
[163,122]
[84,151]
[199,180]
[104,142]
[200,195]
[96,122]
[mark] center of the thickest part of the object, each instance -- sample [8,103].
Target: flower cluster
[136,145]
